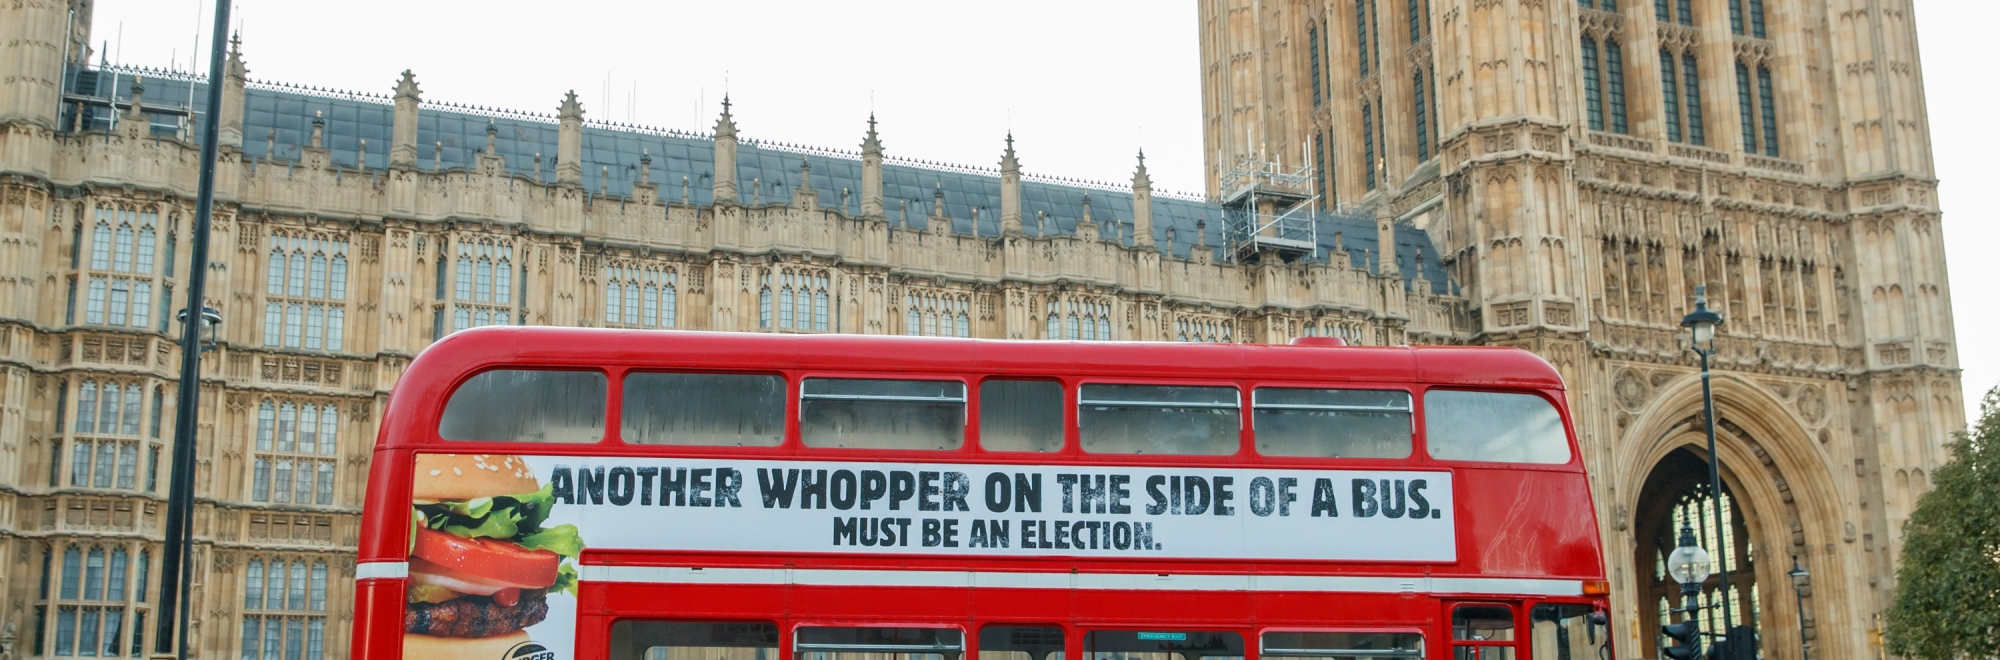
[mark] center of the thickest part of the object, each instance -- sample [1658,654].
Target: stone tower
[1581,167]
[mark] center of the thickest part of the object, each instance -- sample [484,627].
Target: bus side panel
[880,603]
[385,532]
[1321,610]
[724,602]
[1211,608]
[1531,523]
[378,619]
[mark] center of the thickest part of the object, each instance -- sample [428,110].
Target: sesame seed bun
[462,648]
[453,477]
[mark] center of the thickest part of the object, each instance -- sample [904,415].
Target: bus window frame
[1596,604]
[1245,445]
[1418,452]
[788,634]
[1450,639]
[617,401]
[977,408]
[1562,412]
[1248,634]
[1422,650]
[613,396]
[1072,635]
[795,435]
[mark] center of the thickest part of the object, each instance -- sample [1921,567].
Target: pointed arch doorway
[1677,492]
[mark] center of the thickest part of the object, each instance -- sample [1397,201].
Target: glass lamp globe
[1688,563]
[1704,333]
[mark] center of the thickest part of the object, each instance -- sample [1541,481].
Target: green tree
[1948,588]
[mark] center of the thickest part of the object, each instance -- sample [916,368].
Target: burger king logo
[528,651]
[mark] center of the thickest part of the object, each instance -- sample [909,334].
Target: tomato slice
[487,558]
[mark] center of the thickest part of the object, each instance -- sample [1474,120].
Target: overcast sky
[1082,85]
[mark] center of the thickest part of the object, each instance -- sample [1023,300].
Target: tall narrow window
[1360,36]
[1614,76]
[1757,19]
[1312,54]
[1684,12]
[1735,17]
[1767,101]
[1419,112]
[1368,143]
[1319,168]
[1744,113]
[1669,91]
[1691,79]
[1660,11]
[1416,27]
[1593,94]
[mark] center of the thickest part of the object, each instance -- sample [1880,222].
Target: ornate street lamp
[1798,576]
[1701,324]
[1688,565]
[211,326]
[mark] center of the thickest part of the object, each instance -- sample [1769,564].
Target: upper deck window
[1331,423]
[524,405]
[1494,427]
[1159,419]
[716,410]
[858,413]
[1021,415]
[1342,645]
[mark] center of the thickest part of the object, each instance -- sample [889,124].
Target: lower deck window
[1342,645]
[694,640]
[1161,645]
[1566,632]
[871,643]
[1482,632]
[1021,643]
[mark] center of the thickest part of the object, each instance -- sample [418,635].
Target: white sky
[1083,85]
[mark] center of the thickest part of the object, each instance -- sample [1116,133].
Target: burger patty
[475,616]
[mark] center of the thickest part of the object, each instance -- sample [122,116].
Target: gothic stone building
[1581,166]
[352,229]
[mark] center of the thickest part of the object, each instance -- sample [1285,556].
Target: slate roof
[279,117]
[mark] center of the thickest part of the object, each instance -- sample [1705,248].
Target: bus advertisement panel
[508,530]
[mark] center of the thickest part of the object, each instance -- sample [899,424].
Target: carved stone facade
[351,230]
[1581,166]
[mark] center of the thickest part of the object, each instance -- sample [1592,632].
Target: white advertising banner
[1002,510]
[496,539]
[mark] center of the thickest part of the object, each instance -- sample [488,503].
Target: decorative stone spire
[403,133]
[871,172]
[137,110]
[233,76]
[319,129]
[725,156]
[1142,204]
[1385,242]
[569,140]
[1010,190]
[645,166]
[803,195]
[492,134]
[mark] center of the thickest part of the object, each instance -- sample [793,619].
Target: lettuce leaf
[517,518]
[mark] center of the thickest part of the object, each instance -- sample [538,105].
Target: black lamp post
[1701,324]
[1688,565]
[1799,575]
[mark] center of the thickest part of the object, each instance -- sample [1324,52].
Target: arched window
[316,276]
[465,278]
[337,278]
[143,261]
[1054,322]
[669,306]
[114,589]
[100,241]
[764,302]
[86,407]
[614,296]
[72,574]
[107,418]
[913,324]
[121,257]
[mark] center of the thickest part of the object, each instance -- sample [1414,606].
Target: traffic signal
[1686,636]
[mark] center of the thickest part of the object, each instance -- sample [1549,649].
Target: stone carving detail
[1812,404]
[1631,389]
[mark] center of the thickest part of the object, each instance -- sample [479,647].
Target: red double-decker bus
[551,493]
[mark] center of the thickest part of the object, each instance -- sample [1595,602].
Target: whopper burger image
[481,565]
